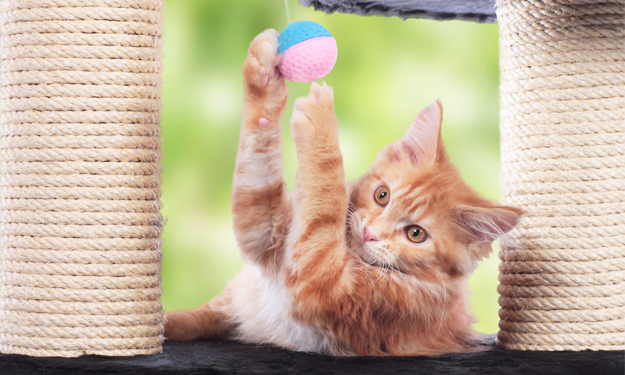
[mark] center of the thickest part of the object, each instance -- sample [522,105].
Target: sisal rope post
[81,225]
[562,284]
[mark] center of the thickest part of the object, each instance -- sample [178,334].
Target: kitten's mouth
[369,259]
[366,256]
[386,267]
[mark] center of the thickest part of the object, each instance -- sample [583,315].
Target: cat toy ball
[308,51]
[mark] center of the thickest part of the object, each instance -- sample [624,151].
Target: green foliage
[387,71]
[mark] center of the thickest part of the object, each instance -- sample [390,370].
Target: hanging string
[288,15]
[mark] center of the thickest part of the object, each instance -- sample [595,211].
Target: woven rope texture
[81,143]
[562,277]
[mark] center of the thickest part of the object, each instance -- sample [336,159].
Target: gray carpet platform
[466,10]
[213,357]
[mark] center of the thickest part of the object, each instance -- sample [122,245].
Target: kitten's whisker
[403,278]
[402,262]
[390,280]
[444,302]
[381,274]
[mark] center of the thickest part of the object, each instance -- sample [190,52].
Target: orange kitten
[378,267]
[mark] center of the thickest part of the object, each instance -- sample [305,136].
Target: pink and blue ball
[308,51]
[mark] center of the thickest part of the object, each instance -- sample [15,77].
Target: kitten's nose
[369,235]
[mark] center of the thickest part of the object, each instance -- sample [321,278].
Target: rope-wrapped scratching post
[563,160]
[80,177]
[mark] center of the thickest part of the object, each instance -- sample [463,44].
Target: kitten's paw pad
[263,122]
[261,64]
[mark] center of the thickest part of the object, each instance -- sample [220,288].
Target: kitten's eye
[382,195]
[416,234]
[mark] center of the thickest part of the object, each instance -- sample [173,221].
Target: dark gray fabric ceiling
[467,10]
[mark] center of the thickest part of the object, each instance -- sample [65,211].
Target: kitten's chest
[264,313]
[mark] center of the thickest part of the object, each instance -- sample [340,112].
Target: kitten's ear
[423,139]
[486,224]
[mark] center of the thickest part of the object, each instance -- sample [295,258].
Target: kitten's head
[412,211]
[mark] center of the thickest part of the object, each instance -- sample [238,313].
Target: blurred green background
[387,71]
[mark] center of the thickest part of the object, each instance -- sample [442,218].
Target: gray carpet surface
[466,10]
[214,357]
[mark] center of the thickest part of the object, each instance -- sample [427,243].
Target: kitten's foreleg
[317,244]
[259,200]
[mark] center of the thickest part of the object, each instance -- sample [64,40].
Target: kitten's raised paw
[260,70]
[313,116]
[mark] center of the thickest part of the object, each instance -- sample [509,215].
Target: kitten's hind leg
[208,321]
[259,201]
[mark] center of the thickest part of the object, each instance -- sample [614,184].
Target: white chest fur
[262,308]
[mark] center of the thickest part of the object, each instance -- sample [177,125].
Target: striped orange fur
[377,267]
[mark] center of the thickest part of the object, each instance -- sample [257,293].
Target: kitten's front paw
[313,117]
[260,70]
